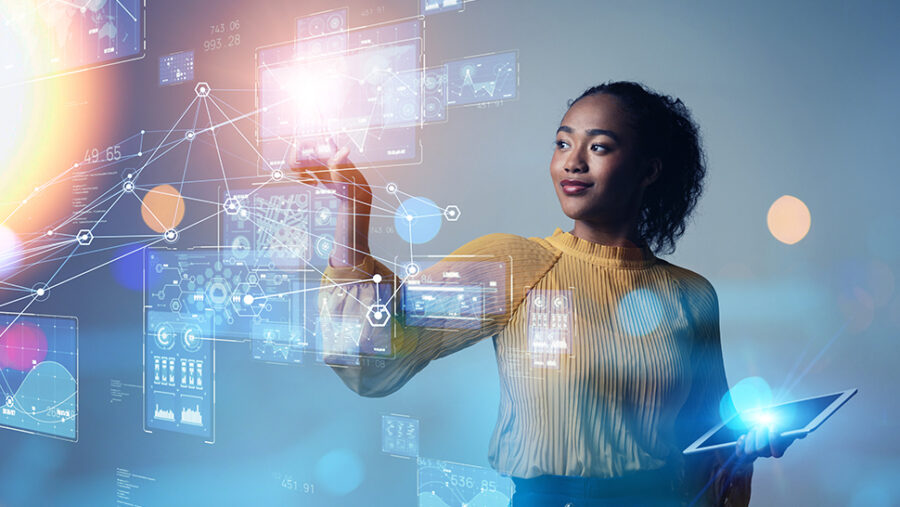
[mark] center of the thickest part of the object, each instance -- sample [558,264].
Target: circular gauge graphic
[560,302]
[240,247]
[323,216]
[335,23]
[539,302]
[324,246]
[408,111]
[431,82]
[191,339]
[433,107]
[165,336]
[335,44]
[316,26]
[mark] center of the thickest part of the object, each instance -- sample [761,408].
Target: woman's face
[596,168]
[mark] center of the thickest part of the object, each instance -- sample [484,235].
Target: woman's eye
[598,147]
[561,144]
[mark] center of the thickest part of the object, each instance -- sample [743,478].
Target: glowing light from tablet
[748,395]
[757,418]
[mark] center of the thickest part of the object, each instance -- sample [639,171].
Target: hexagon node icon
[378,316]
[202,89]
[451,213]
[232,206]
[171,235]
[85,236]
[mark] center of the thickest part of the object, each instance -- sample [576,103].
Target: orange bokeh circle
[162,208]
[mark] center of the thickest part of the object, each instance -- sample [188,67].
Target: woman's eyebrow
[590,132]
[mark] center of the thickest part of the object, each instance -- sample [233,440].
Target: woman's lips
[574,187]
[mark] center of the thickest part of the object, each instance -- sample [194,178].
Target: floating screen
[58,37]
[176,68]
[455,294]
[39,373]
[362,90]
[457,485]
[436,6]
[482,79]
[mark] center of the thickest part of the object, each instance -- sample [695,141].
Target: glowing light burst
[10,251]
[746,397]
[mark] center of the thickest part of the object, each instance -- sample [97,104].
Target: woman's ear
[654,167]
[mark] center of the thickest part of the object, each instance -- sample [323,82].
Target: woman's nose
[576,163]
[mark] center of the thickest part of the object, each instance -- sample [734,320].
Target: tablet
[795,418]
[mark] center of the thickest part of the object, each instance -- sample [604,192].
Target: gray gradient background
[795,98]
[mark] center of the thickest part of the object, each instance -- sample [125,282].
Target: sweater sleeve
[713,478]
[350,294]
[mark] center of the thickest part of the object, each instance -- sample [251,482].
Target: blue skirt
[651,488]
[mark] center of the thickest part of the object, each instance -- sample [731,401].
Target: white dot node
[248,299]
[376,278]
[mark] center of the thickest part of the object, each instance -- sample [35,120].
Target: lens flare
[10,251]
[747,396]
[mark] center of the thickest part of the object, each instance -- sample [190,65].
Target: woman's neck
[624,235]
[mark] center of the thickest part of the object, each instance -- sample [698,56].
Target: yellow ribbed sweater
[642,378]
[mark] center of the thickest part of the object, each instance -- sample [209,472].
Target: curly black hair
[667,131]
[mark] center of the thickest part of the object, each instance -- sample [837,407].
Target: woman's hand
[762,442]
[337,173]
[351,235]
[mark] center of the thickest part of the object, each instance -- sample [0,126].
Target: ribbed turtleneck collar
[602,255]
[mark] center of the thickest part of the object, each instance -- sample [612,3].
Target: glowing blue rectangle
[434,94]
[400,435]
[454,293]
[57,37]
[176,68]
[482,79]
[436,6]
[39,365]
[456,485]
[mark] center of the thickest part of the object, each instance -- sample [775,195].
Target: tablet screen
[786,417]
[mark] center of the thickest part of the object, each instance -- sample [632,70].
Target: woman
[637,373]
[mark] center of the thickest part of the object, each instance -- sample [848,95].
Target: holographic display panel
[436,6]
[39,374]
[179,350]
[400,435]
[176,68]
[366,96]
[56,37]
[444,483]
[458,295]
[434,95]
[550,315]
[482,79]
